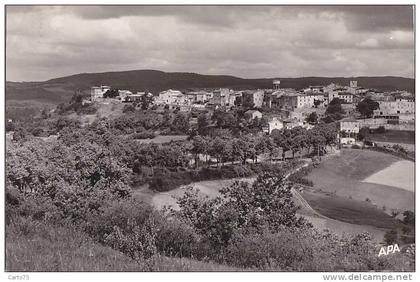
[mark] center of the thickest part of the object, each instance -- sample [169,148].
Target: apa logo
[389,250]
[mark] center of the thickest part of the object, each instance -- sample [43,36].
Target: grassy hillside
[343,175]
[394,136]
[350,211]
[55,90]
[35,246]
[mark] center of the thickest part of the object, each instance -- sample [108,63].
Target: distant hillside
[59,89]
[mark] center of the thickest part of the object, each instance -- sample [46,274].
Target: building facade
[346,97]
[253,98]
[172,97]
[221,97]
[300,101]
[97,92]
[252,114]
[399,106]
[350,126]
[273,124]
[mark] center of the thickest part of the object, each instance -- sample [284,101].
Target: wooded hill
[60,89]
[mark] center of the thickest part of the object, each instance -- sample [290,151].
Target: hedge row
[166,180]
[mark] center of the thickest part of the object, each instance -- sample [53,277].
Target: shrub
[125,225]
[399,148]
[166,181]
[122,214]
[87,109]
[380,129]
[147,134]
[128,108]
[284,251]
[391,237]
[409,217]
[298,176]
[175,238]
[33,207]
[407,155]
[38,131]
[310,250]
[138,242]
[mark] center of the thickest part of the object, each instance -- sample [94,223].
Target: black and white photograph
[210,138]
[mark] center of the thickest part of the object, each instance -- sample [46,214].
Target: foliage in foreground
[84,185]
[241,229]
[38,246]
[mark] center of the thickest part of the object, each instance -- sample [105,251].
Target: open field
[394,136]
[344,175]
[350,211]
[343,228]
[347,212]
[348,225]
[399,174]
[209,188]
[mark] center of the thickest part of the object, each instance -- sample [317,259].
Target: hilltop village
[354,106]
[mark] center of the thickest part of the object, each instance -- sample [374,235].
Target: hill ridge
[60,88]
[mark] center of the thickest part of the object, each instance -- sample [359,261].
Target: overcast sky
[251,42]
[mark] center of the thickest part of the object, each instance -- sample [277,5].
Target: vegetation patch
[394,136]
[344,175]
[351,211]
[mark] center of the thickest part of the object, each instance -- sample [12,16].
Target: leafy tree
[226,151]
[366,107]
[334,111]
[226,120]
[172,155]
[268,201]
[20,134]
[111,93]
[64,122]
[74,105]
[312,118]
[200,145]
[217,149]
[203,123]
[317,140]
[241,206]
[265,144]
[238,149]
[146,101]
[283,139]
[380,129]
[77,179]
[328,131]
[269,146]
[363,133]
[181,123]
[409,218]
[299,139]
